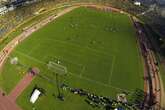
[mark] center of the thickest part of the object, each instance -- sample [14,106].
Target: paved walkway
[7,104]
[20,87]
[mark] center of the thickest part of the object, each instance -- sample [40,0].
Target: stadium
[77,55]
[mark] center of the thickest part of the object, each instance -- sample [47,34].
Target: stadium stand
[13,18]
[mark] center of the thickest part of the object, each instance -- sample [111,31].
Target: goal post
[57,68]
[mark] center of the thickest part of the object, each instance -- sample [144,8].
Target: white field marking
[139,61]
[81,73]
[94,50]
[99,83]
[39,61]
[33,49]
[75,64]
[35,59]
[112,67]
[81,77]
[79,65]
[91,49]
[139,57]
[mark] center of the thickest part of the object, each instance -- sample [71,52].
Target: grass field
[98,48]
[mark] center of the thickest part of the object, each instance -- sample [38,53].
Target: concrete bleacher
[14,18]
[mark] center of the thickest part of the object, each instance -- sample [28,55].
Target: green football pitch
[98,48]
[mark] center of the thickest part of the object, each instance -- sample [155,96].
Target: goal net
[57,68]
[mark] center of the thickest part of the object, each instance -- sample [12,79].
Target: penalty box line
[39,61]
[112,68]
[99,83]
[65,60]
[91,49]
[81,77]
[32,58]
[88,48]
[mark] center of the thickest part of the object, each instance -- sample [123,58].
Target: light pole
[60,96]
[57,69]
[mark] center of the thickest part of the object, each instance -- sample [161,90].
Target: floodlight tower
[57,69]
[60,96]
